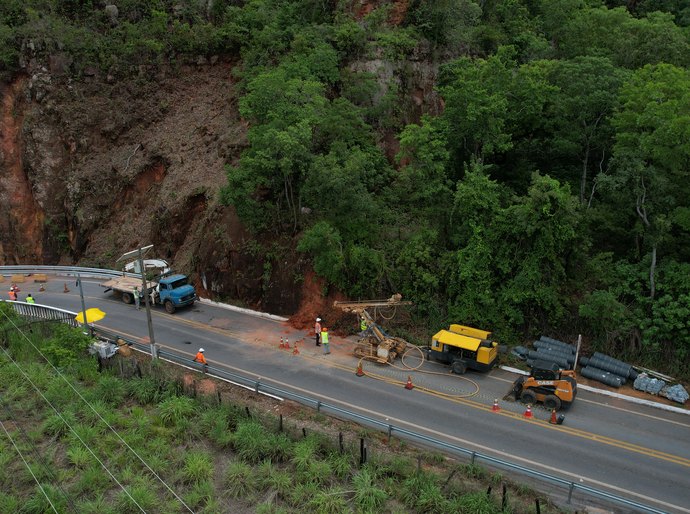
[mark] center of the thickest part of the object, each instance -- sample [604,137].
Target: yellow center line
[649,452]
[642,450]
[623,409]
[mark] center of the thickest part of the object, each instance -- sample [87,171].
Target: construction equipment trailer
[464,348]
[375,344]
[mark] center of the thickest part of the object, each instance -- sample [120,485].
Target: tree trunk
[652,270]
[583,179]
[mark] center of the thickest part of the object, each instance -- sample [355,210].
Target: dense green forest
[546,192]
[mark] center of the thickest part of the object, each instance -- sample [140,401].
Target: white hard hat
[201,350]
[318,319]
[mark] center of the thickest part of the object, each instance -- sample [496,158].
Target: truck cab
[174,291]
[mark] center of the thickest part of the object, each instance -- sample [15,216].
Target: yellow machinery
[375,343]
[464,348]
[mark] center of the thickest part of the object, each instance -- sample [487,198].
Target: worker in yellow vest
[30,299]
[324,341]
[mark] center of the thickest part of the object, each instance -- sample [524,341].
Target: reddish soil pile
[397,14]
[314,304]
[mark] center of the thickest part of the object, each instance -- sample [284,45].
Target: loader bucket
[516,390]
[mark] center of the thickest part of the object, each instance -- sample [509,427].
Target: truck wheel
[128,298]
[169,307]
[528,396]
[552,402]
[458,367]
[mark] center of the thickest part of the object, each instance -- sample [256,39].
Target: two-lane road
[634,451]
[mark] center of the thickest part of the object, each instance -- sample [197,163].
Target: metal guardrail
[69,271]
[35,310]
[46,312]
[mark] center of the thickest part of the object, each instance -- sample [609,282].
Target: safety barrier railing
[44,312]
[68,271]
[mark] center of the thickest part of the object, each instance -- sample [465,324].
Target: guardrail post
[390,431]
[318,406]
[87,327]
[55,314]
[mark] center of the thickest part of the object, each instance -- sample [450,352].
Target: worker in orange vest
[13,294]
[201,359]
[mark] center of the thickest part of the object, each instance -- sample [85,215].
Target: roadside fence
[44,312]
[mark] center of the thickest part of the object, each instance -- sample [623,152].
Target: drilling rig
[375,344]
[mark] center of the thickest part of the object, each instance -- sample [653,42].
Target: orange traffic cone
[360,371]
[282,344]
[554,418]
[409,383]
[528,412]
[495,408]
[66,289]
[295,351]
[287,344]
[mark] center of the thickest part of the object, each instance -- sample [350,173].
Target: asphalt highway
[630,450]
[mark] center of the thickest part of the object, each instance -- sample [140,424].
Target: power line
[146,465]
[37,454]
[29,468]
[71,429]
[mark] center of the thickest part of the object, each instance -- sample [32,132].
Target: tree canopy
[518,165]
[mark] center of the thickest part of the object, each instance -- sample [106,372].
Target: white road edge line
[258,314]
[214,376]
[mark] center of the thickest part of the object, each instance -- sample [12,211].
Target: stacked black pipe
[601,361]
[602,376]
[553,350]
[556,342]
[548,356]
[614,372]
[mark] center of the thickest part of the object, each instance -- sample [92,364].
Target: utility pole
[87,329]
[577,352]
[145,290]
[139,253]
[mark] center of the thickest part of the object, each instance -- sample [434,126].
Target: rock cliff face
[21,219]
[90,169]
[94,167]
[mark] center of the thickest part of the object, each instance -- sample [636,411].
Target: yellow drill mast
[378,345]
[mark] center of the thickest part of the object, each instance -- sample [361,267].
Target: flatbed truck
[171,291]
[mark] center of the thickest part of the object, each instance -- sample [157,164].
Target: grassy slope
[217,457]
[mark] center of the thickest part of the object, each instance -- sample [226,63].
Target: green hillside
[520,165]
